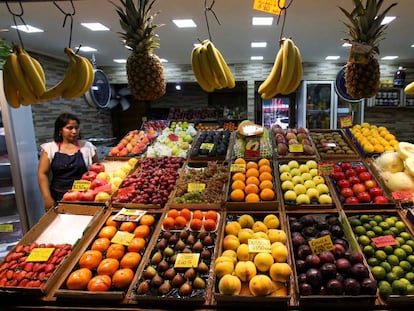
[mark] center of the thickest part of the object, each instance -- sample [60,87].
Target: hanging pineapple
[362,74]
[145,71]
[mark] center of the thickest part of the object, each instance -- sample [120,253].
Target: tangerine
[237,184]
[142,231]
[186,213]
[211,215]
[240,161]
[265,176]
[127,226]
[111,222]
[108,266]
[168,222]
[90,259]
[107,232]
[147,219]
[198,214]
[101,244]
[100,283]
[115,250]
[210,225]
[265,168]
[196,224]
[79,279]
[252,164]
[252,172]
[263,161]
[130,260]
[180,222]
[267,194]
[252,197]
[251,188]
[136,245]
[239,176]
[173,213]
[122,278]
[266,184]
[237,195]
[252,180]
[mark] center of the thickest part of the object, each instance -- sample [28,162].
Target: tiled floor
[9,239]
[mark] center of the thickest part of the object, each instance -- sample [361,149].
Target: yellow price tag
[325,168]
[345,121]
[238,168]
[144,119]
[259,246]
[40,254]
[122,237]
[196,187]
[208,146]
[187,260]
[6,228]
[319,245]
[269,6]
[81,185]
[296,148]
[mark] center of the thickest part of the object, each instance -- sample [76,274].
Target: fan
[118,98]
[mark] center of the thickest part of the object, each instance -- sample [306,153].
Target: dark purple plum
[339,251]
[368,286]
[314,277]
[312,261]
[359,271]
[343,265]
[303,251]
[354,256]
[328,270]
[352,287]
[305,289]
[327,256]
[334,287]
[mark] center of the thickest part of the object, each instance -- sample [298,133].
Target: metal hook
[210,9]
[20,16]
[283,10]
[70,15]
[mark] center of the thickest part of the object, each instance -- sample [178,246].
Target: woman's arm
[43,180]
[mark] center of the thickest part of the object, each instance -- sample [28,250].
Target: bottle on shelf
[399,77]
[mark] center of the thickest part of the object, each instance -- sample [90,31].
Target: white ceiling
[316,26]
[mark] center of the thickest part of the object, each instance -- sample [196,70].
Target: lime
[380,255]
[405,235]
[395,218]
[371,234]
[364,240]
[378,272]
[367,226]
[364,218]
[388,249]
[400,225]
[405,281]
[385,289]
[406,265]
[407,248]
[400,240]
[410,259]
[384,225]
[378,218]
[386,265]
[399,287]
[410,242]
[393,260]
[378,230]
[390,277]
[410,289]
[372,261]
[360,230]
[410,276]
[390,221]
[395,231]
[355,222]
[369,251]
[400,253]
[373,223]
[398,271]
[388,232]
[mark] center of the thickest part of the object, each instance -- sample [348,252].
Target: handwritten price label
[196,187]
[40,254]
[81,185]
[296,148]
[385,240]
[123,237]
[269,6]
[259,246]
[6,228]
[325,168]
[187,260]
[238,168]
[321,244]
[345,121]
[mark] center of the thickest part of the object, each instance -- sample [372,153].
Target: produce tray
[325,155]
[118,294]
[318,296]
[275,300]
[48,230]
[193,156]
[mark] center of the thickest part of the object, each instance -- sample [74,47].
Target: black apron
[65,169]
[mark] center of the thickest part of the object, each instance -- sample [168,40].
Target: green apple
[309,184]
[302,199]
[312,164]
[325,199]
[313,172]
[284,168]
[299,189]
[285,176]
[297,180]
[312,193]
[293,164]
[290,195]
[295,171]
[322,188]
[287,185]
[303,168]
[306,176]
[318,179]
[188,138]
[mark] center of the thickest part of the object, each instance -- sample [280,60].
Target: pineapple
[362,73]
[145,71]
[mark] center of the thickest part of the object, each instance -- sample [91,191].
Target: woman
[65,159]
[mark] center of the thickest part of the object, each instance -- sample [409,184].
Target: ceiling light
[332,57]
[86,49]
[258,44]
[389,57]
[184,23]
[262,21]
[178,87]
[346,45]
[95,26]
[27,28]
[196,45]
[256,57]
[163,60]
[387,20]
[120,60]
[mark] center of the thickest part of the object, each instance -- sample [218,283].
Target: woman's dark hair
[60,123]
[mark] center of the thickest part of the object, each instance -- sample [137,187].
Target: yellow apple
[104,175]
[102,197]
[119,173]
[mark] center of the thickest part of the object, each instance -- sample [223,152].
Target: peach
[229,285]
[260,285]
[231,241]
[245,270]
[280,272]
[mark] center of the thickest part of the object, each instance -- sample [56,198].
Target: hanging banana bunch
[210,68]
[25,82]
[286,73]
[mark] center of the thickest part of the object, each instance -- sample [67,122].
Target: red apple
[97,167]
[337,168]
[351,200]
[338,175]
[375,191]
[98,182]
[364,176]
[346,166]
[347,192]
[364,197]
[353,180]
[360,169]
[370,183]
[88,195]
[72,195]
[358,188]
[350,172]
[380,199]
[89,175]
[343,183]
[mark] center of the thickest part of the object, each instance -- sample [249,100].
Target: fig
[208,240]
[173,239]
[186,289]
[172,259]
[156,281]
[166,234]
[162,244]
[191,239]
[206,254]
[184,234]
[190,274]
[197,247]
[163,265]
[202,267]
[177,281]
[199,283]
[149,272]
[170,274]
[143,288]
[156,258]
[168,251]
[180,245]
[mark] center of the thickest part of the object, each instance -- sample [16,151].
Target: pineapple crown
[137,23]
[365,22]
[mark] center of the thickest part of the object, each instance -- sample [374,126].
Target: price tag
[81,185]
[325,168]
[345,122]
[40,254]
[187,260]
[195,187]
[296,148]
[122,237]
[238,168]
[208,146]
[129,215]
[319,245]
[259,246]
[404,196]
[6,227]
[144,119]
[331,145]
[269,6]
[385,240]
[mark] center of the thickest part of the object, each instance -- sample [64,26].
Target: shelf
[7,191]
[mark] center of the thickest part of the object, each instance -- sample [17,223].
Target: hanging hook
[283,10]
[67,15]
[210,9]
[15,16]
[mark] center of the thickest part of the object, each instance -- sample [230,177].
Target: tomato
[108,266]
[79,279]
[116,251]
[122,278]
[90,259]
[100,283]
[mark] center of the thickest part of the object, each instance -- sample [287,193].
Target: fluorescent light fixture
[184,23]
[332,57]
[262,21]
[256,57]
[27,28]
[87,49]
[95,26]
[163,60]
[387,20]
[389,57]
[258,44]
[347,45]
[120,60]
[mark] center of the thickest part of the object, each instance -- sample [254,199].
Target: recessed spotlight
[120,60]
[332,57]
[27,28]
[178,87]
[387,20]
[184,23]
[258,44]
[256,57]
[262,21]
[95,26]
[389,57]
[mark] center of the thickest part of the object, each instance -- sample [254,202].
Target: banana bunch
[286,73]
[409,89]
[210,69]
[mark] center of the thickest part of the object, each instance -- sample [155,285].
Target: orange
[101,244]
[142,231]
[211,215]
[237,195]
[168,222]
[128,226]
[240,161]
[79,279]
[186,213]
[90,259]
[108,266]
[173,213]
[265,168]
[122,278]
[238,184]
[180,222]
[252,180]
[115,251]
[265,176]
[252,164]
[100,283]
[266,184]
[197,214]
[251,188]
[147,219]
[107,232]
[136,245]
[130,260]
[111,222]
[267,194]
[239,176]
[252,197]
[263,161]
[252,172]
